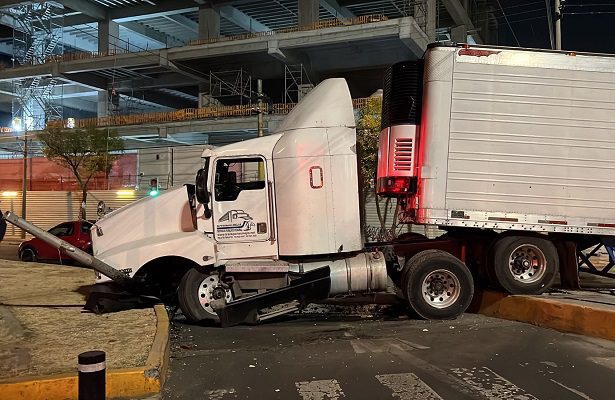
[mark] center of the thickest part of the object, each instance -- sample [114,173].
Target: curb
[125,382]
[561,315]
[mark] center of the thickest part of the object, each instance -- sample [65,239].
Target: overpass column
[108,36]
[308,12]
[425,15]
[209,28]
[108,42]
[209,23]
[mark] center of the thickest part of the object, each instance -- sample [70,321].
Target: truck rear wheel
[437,285]
[196,291]
[525,264]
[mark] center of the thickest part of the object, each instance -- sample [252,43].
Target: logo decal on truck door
[236,224]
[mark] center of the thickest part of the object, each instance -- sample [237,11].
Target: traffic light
[153,187]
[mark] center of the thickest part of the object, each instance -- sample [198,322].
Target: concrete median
[583,313]
[42,333]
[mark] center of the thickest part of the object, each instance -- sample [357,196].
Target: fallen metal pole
[68,248]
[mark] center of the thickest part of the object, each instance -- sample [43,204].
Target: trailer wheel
[28,255]
[196,292]
[525,264]
[437,285]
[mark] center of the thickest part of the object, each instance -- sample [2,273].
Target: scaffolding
[231,86]
[296,83]
[37,36]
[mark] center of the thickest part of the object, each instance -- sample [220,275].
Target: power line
[508,22]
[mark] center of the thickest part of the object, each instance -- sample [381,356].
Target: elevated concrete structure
[158,57]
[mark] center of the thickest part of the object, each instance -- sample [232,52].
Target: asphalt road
[335,357]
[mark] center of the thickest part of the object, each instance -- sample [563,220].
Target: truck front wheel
[525,264]
[196,291]
[437,285]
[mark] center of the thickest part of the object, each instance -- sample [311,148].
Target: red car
[76,233]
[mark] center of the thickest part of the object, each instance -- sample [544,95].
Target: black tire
[511,252]
[439,271]
[188,295]
[28,254]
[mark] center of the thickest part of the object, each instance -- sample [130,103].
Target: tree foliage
[368,133]
[368,139]
[86,152]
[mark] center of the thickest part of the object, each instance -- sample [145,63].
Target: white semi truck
[510,151]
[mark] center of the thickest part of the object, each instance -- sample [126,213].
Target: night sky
[587,25]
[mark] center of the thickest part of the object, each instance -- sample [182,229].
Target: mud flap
[310,287]
[568,264]
[109,297]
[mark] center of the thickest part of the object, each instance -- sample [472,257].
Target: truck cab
[270,220]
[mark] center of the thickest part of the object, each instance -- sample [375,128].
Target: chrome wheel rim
[527,263]
[440,288]
[209,288]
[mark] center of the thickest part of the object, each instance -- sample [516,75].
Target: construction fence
[186,114]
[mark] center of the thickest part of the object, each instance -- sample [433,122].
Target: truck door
[241,210]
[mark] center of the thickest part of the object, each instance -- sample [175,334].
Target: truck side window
[235,175]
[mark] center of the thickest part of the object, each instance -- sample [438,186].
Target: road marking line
[408,387]
[608,362]
[577,392]
[492,385]
[326,389]
[361,346]
[219,394]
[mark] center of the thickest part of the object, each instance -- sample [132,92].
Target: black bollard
[92,379]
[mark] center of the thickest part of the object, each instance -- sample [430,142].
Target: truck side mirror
[202,194]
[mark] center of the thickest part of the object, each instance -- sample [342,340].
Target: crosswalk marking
[327,389]
[492,385]
[480,381]
[408,387]
[219,394]
[361,346]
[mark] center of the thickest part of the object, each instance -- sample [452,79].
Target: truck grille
[403,154]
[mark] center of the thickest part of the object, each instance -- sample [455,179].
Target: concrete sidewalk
[43,327]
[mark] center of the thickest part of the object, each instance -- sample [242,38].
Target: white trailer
[507,150]
[512,140]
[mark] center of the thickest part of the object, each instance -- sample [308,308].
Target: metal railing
[322,24]
[186,114]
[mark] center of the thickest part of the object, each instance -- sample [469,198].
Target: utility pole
[559,4]
[259,93]
[24,183]
[550,23]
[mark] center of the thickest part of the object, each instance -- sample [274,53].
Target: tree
[368,138]
[368,135]
[86,152]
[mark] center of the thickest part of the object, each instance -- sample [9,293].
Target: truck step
[257,266]
[312,286]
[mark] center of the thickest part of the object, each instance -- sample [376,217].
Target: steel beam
[85,7]
[242,19]
[337,11]
[183,21]
[460,16]
[151,34]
